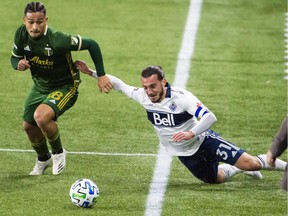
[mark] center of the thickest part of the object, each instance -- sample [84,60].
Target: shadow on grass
[234,184]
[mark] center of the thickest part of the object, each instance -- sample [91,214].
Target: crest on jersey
[48,51]
[173,106]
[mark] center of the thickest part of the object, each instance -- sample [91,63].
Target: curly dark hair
[35,7]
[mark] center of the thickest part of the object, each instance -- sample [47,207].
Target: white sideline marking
[88,153]
[286,47]
[161,174]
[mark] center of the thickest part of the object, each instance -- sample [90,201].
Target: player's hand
[180,136]
[270,159]
[23,65]
[104,84]
[83,67]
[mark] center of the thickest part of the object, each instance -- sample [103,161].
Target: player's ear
[164,81]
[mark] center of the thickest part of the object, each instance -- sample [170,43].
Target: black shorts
[214,149]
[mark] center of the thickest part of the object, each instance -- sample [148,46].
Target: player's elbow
[213,117]
[14,62]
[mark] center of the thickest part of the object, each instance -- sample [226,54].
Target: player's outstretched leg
[230,171]
[254,174]
[279,164]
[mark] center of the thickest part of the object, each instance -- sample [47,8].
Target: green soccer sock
[55,143]
[42,150]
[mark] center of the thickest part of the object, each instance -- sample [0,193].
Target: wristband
[94,74]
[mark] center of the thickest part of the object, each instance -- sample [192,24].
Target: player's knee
[248,162]
[255,164]
[43,115]
[40,119]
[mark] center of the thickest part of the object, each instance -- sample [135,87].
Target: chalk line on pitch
[161,174]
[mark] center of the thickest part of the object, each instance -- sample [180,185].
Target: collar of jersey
[45,33]
[168,90]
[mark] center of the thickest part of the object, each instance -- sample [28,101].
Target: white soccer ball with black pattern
[84,193]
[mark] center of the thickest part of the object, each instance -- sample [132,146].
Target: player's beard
[161,93]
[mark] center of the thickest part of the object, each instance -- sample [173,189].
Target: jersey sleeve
[17,49]
[67,42]
[95,52]
[130,91]
[194,106]
[200,111]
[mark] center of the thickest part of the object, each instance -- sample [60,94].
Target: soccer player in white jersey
[174,113]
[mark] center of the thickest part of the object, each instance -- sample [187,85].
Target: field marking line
[161,173]
[88,153]
[286,46]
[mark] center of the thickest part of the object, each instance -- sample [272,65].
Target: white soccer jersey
[178,112]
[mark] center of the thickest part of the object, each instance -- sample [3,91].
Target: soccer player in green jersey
[47,53]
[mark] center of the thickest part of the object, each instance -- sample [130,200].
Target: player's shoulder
[21,30]
[55,34]
[182,95]
[179,91]
[58,39]
[21,35]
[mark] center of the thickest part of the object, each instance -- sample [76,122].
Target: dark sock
[44,157]
[55,143]
[58,152]
[41,149]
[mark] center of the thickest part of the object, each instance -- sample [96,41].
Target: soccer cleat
[59,162]
[254,174]
[40,167]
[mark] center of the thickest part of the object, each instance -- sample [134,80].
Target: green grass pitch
[237,71]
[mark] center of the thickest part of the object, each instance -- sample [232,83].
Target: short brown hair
[151,70]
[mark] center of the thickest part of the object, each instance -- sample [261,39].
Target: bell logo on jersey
[167,119]
[163,119]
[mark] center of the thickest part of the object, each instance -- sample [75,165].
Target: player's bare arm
[270,159]
[104,83]
[82,66]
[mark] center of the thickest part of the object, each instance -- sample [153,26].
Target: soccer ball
[84,193]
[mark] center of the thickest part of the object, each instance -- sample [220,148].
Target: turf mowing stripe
[88,153]
[161,174]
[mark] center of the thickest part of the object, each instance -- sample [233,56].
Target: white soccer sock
[279,164]
[229,170]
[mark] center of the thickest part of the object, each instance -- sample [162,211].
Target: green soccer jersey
[49,57]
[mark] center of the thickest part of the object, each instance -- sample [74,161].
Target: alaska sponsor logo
[41,62]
